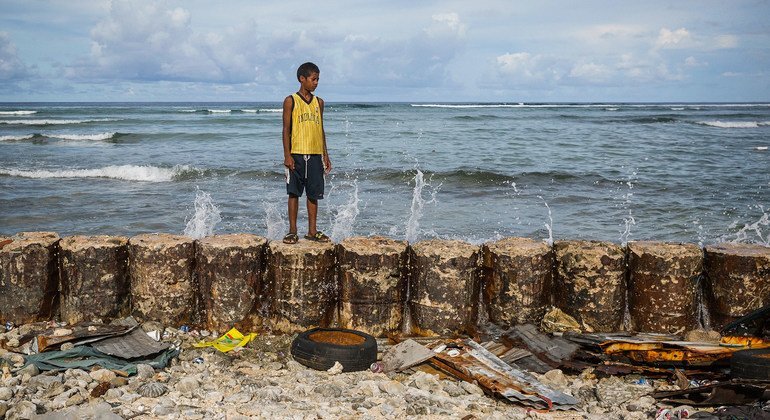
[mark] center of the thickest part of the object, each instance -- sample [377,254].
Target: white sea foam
[677,108]
[205,218]
[52,122]
[95,137]
[270,110]
[761,148]
[187,110]
[734,124]
[219,111]
[17,112]
[16,138]
[610,109]
[250,111]
[123,172]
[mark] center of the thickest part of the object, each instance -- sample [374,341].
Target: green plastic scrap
[85,357]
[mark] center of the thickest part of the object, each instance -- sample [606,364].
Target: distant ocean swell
[121,172]
[53,122]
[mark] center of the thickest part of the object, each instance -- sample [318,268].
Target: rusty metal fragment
[29,277]
[733,392]
[738,280]
[549,352]
[472,362]
[82,333]
[443,287]
[373,277]
[663,280]
[94,281]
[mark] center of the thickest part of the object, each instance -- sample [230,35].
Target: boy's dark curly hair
[306,69]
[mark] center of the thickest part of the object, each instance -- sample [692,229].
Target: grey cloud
[12,68]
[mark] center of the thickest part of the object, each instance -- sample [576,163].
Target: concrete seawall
[377,285]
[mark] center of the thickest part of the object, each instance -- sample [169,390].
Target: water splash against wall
[274,221]
[752,232]
[205,217]
[549,225]
[345,216]
[418,205]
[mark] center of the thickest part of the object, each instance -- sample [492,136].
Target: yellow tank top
[306,127]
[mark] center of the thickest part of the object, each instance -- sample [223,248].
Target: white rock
[144,371]
[555,378]
[102,375]
[187,385]
[393,387]
[336,369]
[22,410]
[214,397]
[238,398]
[472,389]
[6,393]
[61,332]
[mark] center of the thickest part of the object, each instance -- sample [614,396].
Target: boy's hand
[288,162]
[327,164]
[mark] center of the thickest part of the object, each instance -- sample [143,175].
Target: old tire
[319,348]
[751,364]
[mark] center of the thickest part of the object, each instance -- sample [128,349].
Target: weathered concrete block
[94,279]
[443,287]
[372,274]
[518,279]
[663,281]
[590,283]
[29,277]
[229,269]
[163,287]
[738,278]
[301,283]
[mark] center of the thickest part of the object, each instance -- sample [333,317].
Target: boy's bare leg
[312,213]
[293,210]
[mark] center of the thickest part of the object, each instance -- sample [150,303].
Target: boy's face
[309,83]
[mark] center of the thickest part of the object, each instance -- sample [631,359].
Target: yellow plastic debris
[231,340]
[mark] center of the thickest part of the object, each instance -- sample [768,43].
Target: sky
[399,50]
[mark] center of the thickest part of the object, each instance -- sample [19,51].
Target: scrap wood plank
[405,355]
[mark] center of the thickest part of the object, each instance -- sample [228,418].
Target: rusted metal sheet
[77,334]
[679,352]
[733,392]
[472,362]
[550,352]
[133,345]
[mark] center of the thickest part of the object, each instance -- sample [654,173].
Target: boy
[304,152]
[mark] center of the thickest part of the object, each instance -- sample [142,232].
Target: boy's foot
[318,237]
[291,238]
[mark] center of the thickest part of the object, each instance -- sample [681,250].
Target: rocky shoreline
[261,380]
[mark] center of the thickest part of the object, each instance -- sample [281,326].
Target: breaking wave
[52,122]
[121,172]
[17,112]
[94,137]
[16,138]
[735,124]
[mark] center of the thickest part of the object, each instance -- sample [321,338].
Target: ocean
[620,172]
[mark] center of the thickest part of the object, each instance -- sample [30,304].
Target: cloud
[12,68]
[591,72]
[679,38]
[725,41]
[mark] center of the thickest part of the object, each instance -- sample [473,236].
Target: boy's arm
[326,160]
[288,161]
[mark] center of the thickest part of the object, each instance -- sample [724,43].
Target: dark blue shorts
[308,174]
